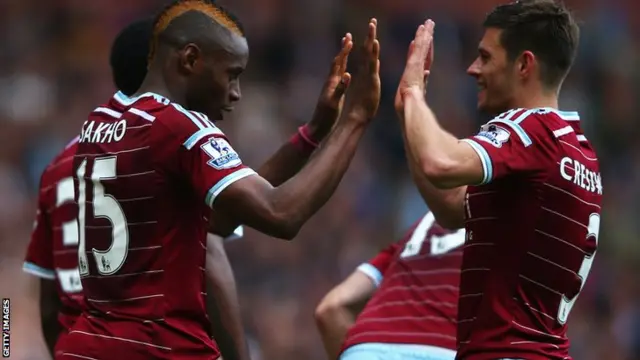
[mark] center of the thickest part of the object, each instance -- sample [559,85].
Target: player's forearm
[289,159]
[445,204]
[283,164]
[333,327]
[222,302]
[430,146]
[304,194]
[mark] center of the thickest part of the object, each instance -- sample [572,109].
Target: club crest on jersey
[221,153]
[493,134]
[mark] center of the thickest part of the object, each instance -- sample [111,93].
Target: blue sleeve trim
[374,274]
[38,271]
[225,182]
[487,165]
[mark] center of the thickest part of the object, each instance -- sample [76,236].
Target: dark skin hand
[281,212]
[288,160]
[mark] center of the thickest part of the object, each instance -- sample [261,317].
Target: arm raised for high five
[293,154]
[281,211]
[441,164]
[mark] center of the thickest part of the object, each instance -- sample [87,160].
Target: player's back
[52,252]
[416,302]
[532,236]
[142,230]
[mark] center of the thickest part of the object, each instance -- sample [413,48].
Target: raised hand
[364,96]
[331,97]
[419,61]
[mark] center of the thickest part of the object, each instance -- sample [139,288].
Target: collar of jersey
[564,115]
[127,101]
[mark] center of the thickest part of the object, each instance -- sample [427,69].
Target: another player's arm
[338,310]
[222,302]
[39,263]
[446,163]
[50,306]
[281,211]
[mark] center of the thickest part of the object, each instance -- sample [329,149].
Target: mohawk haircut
[544,27]
[128,58]
[197,15]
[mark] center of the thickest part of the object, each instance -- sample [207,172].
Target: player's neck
[535,99]
[155,83]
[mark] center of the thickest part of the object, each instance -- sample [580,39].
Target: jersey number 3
[593,228]
[103,205]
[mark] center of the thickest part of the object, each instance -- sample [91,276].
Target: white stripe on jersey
[196,120]
[523,116]
[404,318]
[112,152]
[198,135]
[225,182]
[108,111]
[203,117]
[121,339]
[580,151]
[78,356]
[386,304]
[572,195]
[564,131]
[143,114]
[125,300]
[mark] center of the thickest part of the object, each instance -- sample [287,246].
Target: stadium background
[53,70]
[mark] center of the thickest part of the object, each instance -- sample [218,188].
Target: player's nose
[235,94]
[474,68]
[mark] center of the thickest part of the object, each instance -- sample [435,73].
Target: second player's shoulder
[60,167]
[426,236]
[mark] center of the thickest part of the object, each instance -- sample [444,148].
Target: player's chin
[224,112]
[482,103]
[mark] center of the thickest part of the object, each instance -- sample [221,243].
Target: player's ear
[190,58]
[525,63]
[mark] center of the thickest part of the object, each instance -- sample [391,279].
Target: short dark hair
[194,14]
[544,27]
[128,57]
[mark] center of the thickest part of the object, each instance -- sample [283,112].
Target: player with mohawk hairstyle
[149,169]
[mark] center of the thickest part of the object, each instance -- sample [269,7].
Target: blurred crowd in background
[54,70]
